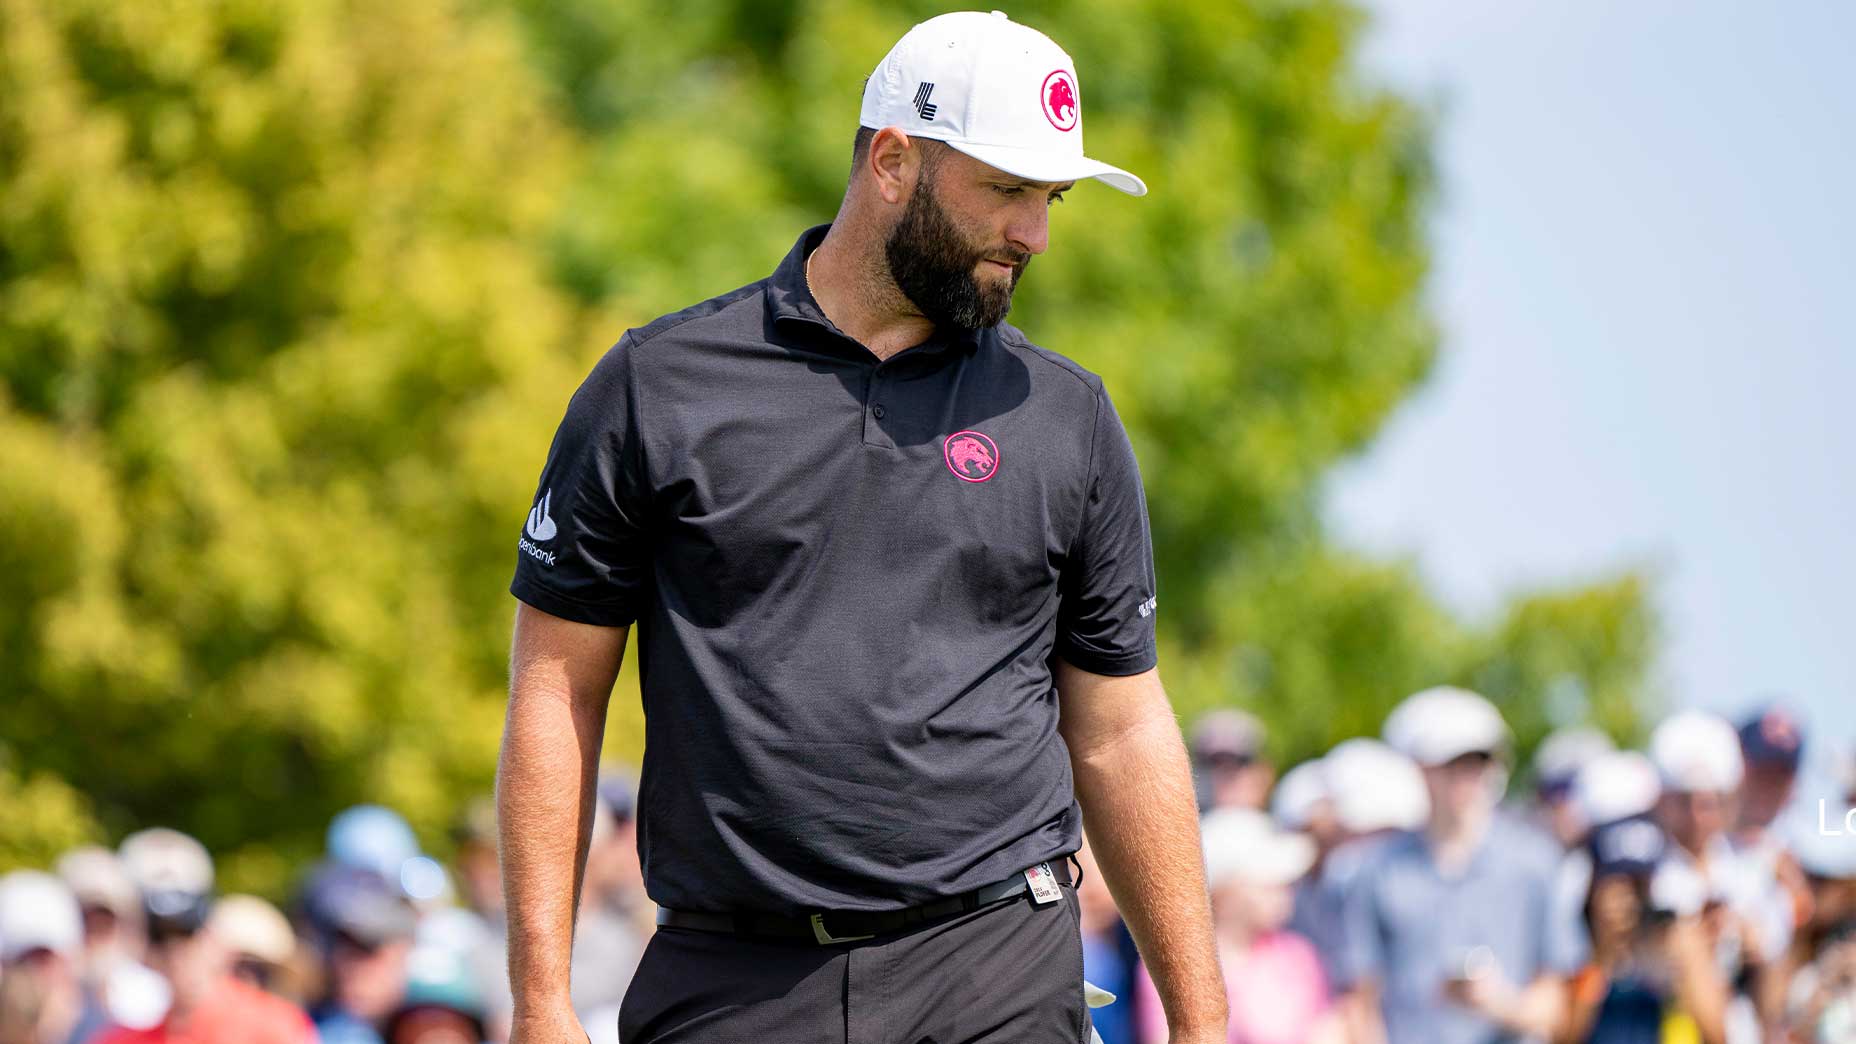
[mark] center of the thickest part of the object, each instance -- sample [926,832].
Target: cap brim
[1038,165]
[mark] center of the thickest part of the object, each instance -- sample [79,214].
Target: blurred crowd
[379,944]
[1394,891]
[1400,890]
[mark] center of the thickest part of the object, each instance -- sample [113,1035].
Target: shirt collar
[790,301]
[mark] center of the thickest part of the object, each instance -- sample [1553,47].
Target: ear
[894,164]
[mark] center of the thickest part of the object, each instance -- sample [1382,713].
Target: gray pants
[1009,973]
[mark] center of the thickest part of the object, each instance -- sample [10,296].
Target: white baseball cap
[247,924]
[998,91]
[1298,793]
[1375,787]
[1242,844]
[1564,752]
[1697,751]
[1438,724]
[38,912]
[1615,786]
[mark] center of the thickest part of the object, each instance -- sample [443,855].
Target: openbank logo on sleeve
[540,527]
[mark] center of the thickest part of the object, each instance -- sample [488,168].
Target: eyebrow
[1028,183]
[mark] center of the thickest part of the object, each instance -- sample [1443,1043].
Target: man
[1229,761]
[1557,762]
[1451,933]
[41,944]
[1698,755]
[891,570]
[363,929]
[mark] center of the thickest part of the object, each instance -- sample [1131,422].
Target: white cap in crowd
[98,878]
[1616,786]
[1244,845]
[1438,724]
[1298,793]
[1695,751]
[996,90]
[37,912]
[162,860]
[1375,787]
[247,924]
[1564,752]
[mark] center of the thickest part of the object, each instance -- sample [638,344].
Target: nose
[1029,228]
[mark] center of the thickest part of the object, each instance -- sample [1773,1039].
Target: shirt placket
[878,384]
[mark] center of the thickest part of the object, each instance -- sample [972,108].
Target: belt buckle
[825,938]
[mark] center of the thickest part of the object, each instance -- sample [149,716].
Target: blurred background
[1488,345]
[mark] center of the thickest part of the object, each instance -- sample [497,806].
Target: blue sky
[1646,277]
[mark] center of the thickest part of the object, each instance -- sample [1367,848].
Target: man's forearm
[545,787]
[1142,820]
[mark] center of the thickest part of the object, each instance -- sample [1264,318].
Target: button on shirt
[848,578]
[1409,927]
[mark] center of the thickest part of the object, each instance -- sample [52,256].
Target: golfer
[890,569]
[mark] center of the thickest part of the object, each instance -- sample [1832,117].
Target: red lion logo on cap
[972,457]
[1059,97]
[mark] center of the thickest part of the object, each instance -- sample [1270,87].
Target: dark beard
[933,267]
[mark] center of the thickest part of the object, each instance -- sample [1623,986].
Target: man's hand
[553,1027]
[1135,786]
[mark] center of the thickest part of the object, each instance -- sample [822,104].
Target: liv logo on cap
[1060,100]
[996,90]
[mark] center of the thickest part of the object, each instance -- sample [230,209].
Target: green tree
[276,346]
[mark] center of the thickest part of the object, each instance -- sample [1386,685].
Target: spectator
[363,930]
[379,840]
[443,1003]
[1557,762]
[1303,803]
[1771,746]
[118,987]
[1651,975]
[1277,990]
[1376,792]
[41,945]
[1109,956]
[1698,757]
[616,918]
[1228,763]
[1451,932]
[259,940]
[210,1005]
[479,874]
[480,878]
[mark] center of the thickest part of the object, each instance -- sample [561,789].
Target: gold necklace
[809,290]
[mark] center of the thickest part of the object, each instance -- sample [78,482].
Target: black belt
[826,927]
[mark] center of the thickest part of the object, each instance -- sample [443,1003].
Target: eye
[1008,190]
[1056,198]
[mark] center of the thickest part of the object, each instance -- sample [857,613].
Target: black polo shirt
[848,578]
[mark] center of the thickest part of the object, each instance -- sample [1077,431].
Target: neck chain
[809,290]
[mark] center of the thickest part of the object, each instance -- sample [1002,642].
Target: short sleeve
[1105,619]
[584,548]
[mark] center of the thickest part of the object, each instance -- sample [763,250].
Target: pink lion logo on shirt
[971,456]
